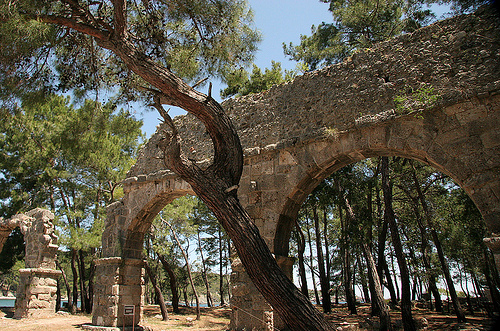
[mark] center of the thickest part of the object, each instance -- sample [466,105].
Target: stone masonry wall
[458,58]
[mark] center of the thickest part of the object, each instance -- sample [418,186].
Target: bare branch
[200,82]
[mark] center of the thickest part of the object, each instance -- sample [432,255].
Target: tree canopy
[361,23]
[191,38]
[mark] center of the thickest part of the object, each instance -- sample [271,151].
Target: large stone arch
[467,151]
[296,134]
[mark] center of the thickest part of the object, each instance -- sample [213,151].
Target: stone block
[491,138]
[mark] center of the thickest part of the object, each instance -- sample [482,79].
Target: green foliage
[356,25]
[9,279]
[424,97]
[67,159]
[13,250]
[240,82]
[192,38]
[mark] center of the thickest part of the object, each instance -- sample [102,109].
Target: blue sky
[278,21]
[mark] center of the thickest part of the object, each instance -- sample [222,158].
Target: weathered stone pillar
[36,294]
[118,283]
[286,264]
[250,311]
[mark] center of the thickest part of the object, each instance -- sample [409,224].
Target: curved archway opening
[181,241]
[348,209]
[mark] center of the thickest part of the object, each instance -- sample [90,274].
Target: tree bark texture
[323,281]
[173,283]
[159,295]
[408,321]
[73,307]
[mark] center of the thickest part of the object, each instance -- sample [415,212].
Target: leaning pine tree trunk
[217,185]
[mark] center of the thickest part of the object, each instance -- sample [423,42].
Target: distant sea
[9,302]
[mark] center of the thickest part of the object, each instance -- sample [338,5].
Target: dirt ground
[218,319]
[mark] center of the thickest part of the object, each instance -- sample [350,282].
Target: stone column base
[249,309]
[119,282]
[36,295]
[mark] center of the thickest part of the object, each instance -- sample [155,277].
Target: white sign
[128,310]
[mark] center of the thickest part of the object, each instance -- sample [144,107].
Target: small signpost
[127,311]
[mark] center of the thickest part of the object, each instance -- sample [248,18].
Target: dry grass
[214,319]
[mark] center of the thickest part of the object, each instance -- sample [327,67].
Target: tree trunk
[221,268]
[58,295]
[363,279]
[382,266]
[425,247]
[173,283]
[302,268]
[346,268]
[393,290]
[311,259]
[75,282]
[437,242]
[408,321]
[323,281]
[466,291]
[488,270]
[327,254]
[383,311]
[84,300]
[188,267]
[90,294]
[159,295]
[66,284]
[204,273]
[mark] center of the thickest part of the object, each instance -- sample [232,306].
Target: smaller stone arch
[120,274]
[36,294]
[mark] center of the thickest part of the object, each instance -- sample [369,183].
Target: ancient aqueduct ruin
[297,134]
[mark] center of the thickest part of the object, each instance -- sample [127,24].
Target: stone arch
[119,275]
[36,293]
[296,134]
[467,152]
